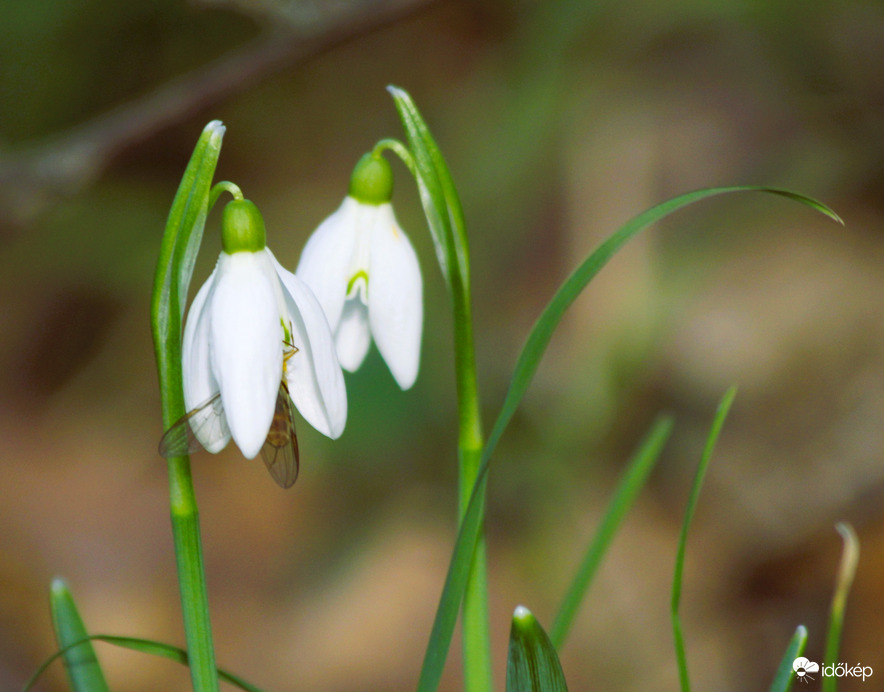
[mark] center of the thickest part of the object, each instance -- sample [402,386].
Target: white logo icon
[803,667]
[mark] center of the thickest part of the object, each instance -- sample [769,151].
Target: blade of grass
[80,662]
[145,646]
[526,366]
[783,678]
[846,573]
[631,483]
[723,408]
[532,664]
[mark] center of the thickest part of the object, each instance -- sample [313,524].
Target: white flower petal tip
[365,274]
[246,333]
[395,299]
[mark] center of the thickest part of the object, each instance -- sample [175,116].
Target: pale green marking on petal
[351,284]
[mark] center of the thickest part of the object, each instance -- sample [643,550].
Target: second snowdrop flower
[365,273]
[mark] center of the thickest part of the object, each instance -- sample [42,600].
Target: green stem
[221,188]
[177,254]
[397,148]
[189,559]
[476,635]
[445,217]
[191,576]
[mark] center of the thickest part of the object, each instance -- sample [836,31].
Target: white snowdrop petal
[246,345]
[327,257]
[199,383]
[353,335]
[395,298]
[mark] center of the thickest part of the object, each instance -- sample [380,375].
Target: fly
[280,450]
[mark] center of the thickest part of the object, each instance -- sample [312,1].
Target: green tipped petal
[372,180]
[242,228]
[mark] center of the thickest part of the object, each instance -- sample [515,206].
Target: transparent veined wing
[280,450]
[208,419]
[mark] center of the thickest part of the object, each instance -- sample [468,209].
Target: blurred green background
[560,121]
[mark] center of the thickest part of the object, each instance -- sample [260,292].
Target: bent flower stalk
[365,273]
[251,326]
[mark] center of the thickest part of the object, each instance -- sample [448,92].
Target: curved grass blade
[532,664]
[541,333]
[846,573]
[145,646]
[783,678]
[633,480]
[526,366]
[723,408]
[80,662]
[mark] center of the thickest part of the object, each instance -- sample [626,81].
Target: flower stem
[397,148]
[445,217]
[189,556]
[188,551]
[191,576]
[221,188]
[177,254]
[476,627]
[476,635]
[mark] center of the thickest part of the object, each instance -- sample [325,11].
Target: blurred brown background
[560,121]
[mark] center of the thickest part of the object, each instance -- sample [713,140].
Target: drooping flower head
[251,326]
[365,273]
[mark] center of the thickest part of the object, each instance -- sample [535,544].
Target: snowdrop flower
[252,327]
[365,273]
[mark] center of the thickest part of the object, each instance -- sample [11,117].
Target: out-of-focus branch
[33,179]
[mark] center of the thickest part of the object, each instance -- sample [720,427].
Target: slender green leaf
[145,646]
[723,408]
[785,672]
[526,366]
[532,664]
[80,662]
[633,480]
[541,333]
[846,573]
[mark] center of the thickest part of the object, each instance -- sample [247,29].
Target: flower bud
[242,227]
[372,180]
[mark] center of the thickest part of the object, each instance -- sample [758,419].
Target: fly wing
[207,420]
[280,450]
